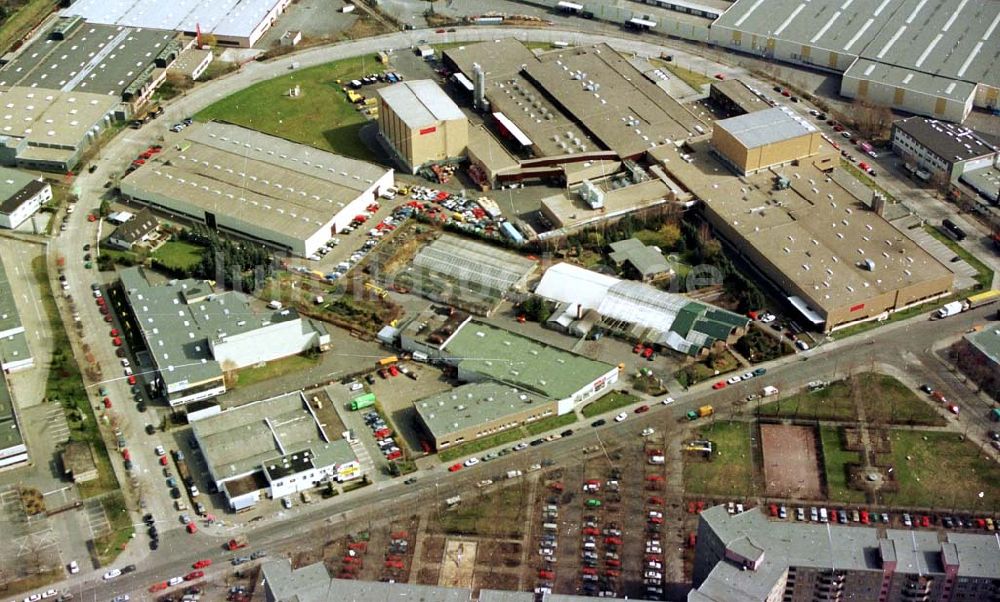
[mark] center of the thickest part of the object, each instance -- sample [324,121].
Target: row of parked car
[383,436]
[864,517]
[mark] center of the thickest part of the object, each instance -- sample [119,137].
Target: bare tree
[871,120]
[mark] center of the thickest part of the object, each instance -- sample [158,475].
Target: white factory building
[252,185]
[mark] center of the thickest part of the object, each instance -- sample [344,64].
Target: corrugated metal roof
[420,103]
[760,128]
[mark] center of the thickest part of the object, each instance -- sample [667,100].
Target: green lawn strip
[611,401]
[482,444]
[273,369]
[836,460]
[729,472]
[65,386]
[319,116]
[110,545]
[499,514]
[831,403]
[984,275]
[23,20]
[865,179]
[179,255]
[936,469]
[692,78]
[551,423]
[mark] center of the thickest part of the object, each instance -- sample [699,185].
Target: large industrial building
[480,352]
[194,334]
[638,310]
[943,149]
[421,124]
[814,232]
[763,139]
[228,22]
[14,351]
[259,187]
[276,446]
[930,57]
[21,195]
[13,450]
[747,558]
[479,409]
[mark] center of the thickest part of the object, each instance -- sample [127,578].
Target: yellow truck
[354,97]
[701,412]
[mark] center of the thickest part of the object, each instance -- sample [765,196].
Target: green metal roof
[646,260]
[987,341]
[522,362]
[685,318]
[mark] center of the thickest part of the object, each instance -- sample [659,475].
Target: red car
[104,310]
[719,385]
[925,521]
[692,539]
[647,353]
[100,301]
[91,218]
[194,575]
[107,318]
[126,455]
[864,517]
[202,564]
[614,563]
[114,332]
[393,370]
[455,467]
[395,455]
[117,342]
[131,380]
[163,460]
[588,571]
[641,409]
[654,478]
[613,541]
[720,77]
[656,520]
[158,587]
[107,402]
[591,531]
[192,529]
[772,510]
[658,501]
[638,348]
[546,575]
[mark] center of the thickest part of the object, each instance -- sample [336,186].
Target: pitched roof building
[136,230]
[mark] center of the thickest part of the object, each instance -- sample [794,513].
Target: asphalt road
[888,344]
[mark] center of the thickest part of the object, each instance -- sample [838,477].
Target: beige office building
[421,124]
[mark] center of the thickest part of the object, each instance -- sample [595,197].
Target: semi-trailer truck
[972,302]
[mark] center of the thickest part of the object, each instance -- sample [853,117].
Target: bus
[953,230]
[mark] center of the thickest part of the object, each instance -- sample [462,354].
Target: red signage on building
[857,307]
[429,130]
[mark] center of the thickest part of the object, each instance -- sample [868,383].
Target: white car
[748,376]
[125,362]
[49,593]
[74,567]
[286,502]
[667,401]
[647,431]
[160,451]
[767,318]
[471,462]
[520,446]
[802,345]
[621,417]
[112,574]
[33,598]
[734,379]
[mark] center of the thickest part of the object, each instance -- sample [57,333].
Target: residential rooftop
[280,435]
[420,103]
[646,260]
[312,583]
[260,179]
[950,141]
[471,405]
[521,362]
[93,58]
[987,341]
[769,126]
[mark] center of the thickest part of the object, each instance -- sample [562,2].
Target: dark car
[175,493]
[150,429]
[154,544]
[926,389]
[598,423]
[370,378]
[141,407]
[128,568]
[537,442]
[566,433]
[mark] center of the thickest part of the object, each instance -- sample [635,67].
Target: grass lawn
[179,255]
[692,78]
[835,466]
[611,401]
[23,19]
[889,401]
[482,444]
[320,116]
[551,423]
[288,365]
[730,470]
[499,514]
[65,386]
[984,275]
[940,470]
[109,546]
[699,371]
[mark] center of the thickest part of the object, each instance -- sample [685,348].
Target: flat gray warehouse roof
[420,103]
[473,404]
[312,583]
[263,433]
[100,59]
[237,18]
[10,434]
[949,39]
[50,117]
[281,185]
[761,128]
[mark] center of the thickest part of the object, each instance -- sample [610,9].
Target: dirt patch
[429,575]
[494,580]
[433,549]
[458,564]
[791,465]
